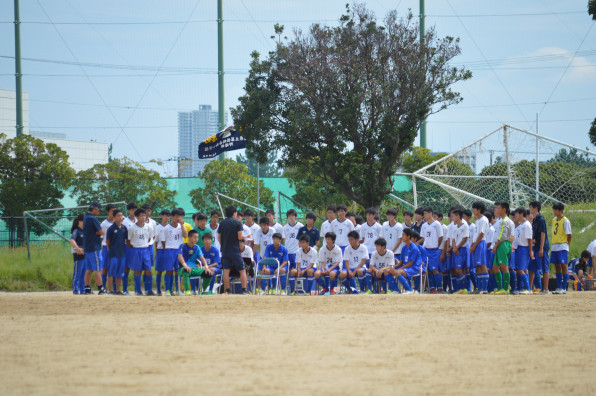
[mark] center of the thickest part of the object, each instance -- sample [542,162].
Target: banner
[226,140]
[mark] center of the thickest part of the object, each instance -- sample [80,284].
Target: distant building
[81,154]
[464,157]
[194,127]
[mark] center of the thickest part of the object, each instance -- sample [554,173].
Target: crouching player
[116,236]
[330,258]
[355,257]
[577,268]
[382,262]
[306,258]
[410,261]
[188,254]
[279,252]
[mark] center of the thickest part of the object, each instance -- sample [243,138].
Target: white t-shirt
[214,233]
[172,236]
[308,258]
[592,249]
[325,228]
[431,234]
[358,229]
[458,233]
[291,233]
[153,225]
[329,258]
[472,236]
[247,253]
[262,240]
[341,229]
[279,228]
[562,246]
[254,228]
[490,236]
[481,227]
[450,229]
[378,261]
[128,223]
[139,236]
[392,235]
[353,257]
[523,233]
[370,233]
[104,227]
[158,235]
[445,236]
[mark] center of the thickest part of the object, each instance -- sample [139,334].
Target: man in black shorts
[229,235]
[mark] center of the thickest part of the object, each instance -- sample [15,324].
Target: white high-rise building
[194,127]
[81,154]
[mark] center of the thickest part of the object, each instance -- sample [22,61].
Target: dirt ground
[56,343]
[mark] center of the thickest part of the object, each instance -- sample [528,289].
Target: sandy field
[56,343]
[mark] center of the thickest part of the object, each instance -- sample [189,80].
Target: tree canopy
[267,169]
[123,180]
[232,179]
[592,132]
[344,103]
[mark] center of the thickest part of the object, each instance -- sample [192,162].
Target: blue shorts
[559,257]
[522,258]
[105,259]
[151,251]
[539,264]
[292,260]
[354,270]
[512,263]
[127,256]
[478,258]
[141,261]
[412,271]
[336,270]
[232,261]
[444,266]
[93,261]
[490,258]
[166,260]
[116,268]
[434,259]
[460,261]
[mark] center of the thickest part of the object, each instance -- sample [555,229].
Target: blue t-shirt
[539,226]
[313,234]
[91,241]
[280,254]
[423,256]
[190,254]
[411,254]
[117,237]
[212,255]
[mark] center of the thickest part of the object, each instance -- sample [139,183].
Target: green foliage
[592,132]
[232,179]
[418,157]
[342,104]
[123,180]
[268,169]
[592,10]
[313,193]
[33,175]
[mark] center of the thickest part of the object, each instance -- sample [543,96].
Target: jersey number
[556,228]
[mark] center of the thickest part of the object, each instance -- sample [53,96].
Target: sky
[119,71]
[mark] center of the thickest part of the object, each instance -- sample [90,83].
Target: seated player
[330,258]
[263,237]
[410,262]
[382,261]
[423,260]
[212,258]
[279,252]
[188,254]
[306,260]
[459,249]
[355,257]
[249,262]
[577,269]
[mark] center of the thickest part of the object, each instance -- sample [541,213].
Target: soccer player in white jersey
[254,228]
[270,214]
[391,231]
[490,238]
[306,265]
[246,231]
[369,232]
[438,216]
[469,271]
[330,258]
[341,227]
[151,248]
[172,236]
[459,248]
[523,250]
[290,230]
[213,225]
[107,223]
[355,257]
[264,236]
[382,261]
[128,223]
[165,220]
[138,239]
[331,216]
[432,237]
[478,248]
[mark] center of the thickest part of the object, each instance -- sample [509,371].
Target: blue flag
[226,140]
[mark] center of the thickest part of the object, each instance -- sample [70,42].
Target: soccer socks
[362,283]
[346,283]
[137,284]
[460,282]
[168,282]
[559,280]
[353,283]
[104,280]
[309,281]
[391,282]
[283,281]
[538,280]
[417,283]
[506,279]
[292,280]
[438,280]
[333,283]
[125,282]
[158,282]
[148,283]
[404,282]
[526,281]
[207,282]
[431,281]
[482,280]
[263,284]
[321,282]
[368,279]
[492,282]
[499,281]
[446,281]
[565,281]
[513,281]
[467,282]
[474,280]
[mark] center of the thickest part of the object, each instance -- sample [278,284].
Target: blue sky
[142,61]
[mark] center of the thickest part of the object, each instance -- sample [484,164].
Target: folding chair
[260,276]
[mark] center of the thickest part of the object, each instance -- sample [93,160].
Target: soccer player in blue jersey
[188,254]
[355,258]
[309,229]
[78,255]
[330,258]
[409,265]
[116,236]
[92,233]
[213,259]
[459,249]
[279,252]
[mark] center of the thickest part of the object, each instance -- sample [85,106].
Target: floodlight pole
[17,74]
[423,126]
[220,71]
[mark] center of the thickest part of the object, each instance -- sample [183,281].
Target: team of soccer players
[479,251]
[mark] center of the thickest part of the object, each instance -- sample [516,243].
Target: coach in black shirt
[229,235]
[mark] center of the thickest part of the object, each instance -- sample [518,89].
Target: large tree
[33,175]
[592,132]
[123,180]
[345,102]
[232,179]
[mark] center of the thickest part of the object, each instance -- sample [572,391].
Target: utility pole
[220,70]
[423,126]
[17,74]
